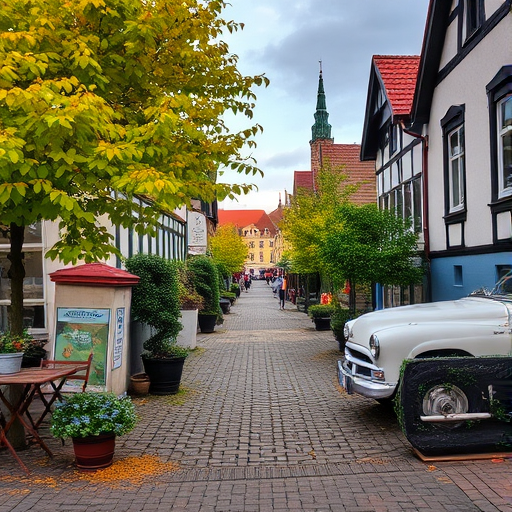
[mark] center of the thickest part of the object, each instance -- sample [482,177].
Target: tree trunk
[16,434]
[16,274]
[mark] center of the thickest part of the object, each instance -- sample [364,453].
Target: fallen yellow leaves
[132,470]
[128,471]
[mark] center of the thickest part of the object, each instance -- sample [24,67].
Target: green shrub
[320,310]
[155,302]
[206,281]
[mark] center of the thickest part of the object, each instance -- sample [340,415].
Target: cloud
[285,39]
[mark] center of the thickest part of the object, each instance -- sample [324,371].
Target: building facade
[259,233]
[398,155]
[463,104]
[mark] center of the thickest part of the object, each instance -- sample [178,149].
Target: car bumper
[362,386]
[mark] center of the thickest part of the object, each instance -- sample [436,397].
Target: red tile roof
[398,73]
[244,218]
[276,216]
[347,157]
[302,179]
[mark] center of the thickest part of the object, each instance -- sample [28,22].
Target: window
[473,18]
[499,92]
[456,168]
[262,244]
[393,139]
[271,243]
[261,257]
[454,164]
[33,283]
[504,132]
[457,275]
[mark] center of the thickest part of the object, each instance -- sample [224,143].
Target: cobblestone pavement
[260,425]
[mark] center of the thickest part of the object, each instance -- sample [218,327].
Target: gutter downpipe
[426,236]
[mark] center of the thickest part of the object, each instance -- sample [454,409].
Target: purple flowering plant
[91,414]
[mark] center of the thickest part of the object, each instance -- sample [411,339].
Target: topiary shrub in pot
[206,281]
[156,302]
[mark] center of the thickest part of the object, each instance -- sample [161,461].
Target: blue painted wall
[477,272]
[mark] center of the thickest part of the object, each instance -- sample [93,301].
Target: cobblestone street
[259,425]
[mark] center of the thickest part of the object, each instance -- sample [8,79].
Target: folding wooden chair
[82,374]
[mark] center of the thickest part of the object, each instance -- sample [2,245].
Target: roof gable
[243,218]
[390,97]
[398,74]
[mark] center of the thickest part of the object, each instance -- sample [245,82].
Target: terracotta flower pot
[139,384]
[94,452]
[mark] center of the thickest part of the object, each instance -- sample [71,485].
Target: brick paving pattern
[260,425]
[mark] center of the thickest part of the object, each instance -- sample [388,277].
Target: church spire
[321,129]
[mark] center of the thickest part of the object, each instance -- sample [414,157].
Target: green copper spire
[321,129]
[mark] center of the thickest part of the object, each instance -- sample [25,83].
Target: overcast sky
[286,39]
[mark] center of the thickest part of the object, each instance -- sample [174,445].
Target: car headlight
[346,332]
[374,346]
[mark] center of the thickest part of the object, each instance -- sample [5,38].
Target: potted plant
[231,296]
[235,288]
[92,421]
[206,280]
[190,304]
[321,316]
[13,348]
[155,302]
[34,351]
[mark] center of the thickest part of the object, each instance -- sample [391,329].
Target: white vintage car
[378,342]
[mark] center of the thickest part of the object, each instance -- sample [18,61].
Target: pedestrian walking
[282,292]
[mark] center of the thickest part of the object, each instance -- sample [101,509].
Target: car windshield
[501,288]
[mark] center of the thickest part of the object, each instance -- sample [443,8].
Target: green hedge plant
[320,311]
[206,281]
[156,302]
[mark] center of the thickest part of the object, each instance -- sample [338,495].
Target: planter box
[322,324]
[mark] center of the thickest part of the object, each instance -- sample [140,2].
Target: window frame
[500,135]
[497,89]
[456,158]
[454,121]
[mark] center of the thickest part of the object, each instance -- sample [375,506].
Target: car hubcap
[444,400]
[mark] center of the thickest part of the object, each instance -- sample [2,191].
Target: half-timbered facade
[398,155]
[463,104]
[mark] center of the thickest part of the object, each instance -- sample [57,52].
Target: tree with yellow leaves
[228,250]
[102,101]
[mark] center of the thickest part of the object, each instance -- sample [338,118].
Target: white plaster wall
[467,85]
[491,6]
[450,43]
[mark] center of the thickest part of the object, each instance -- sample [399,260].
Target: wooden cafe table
[31,379]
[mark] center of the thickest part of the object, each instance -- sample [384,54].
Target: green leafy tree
[228,250]
[370,246]
[102,101]
[311,215]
